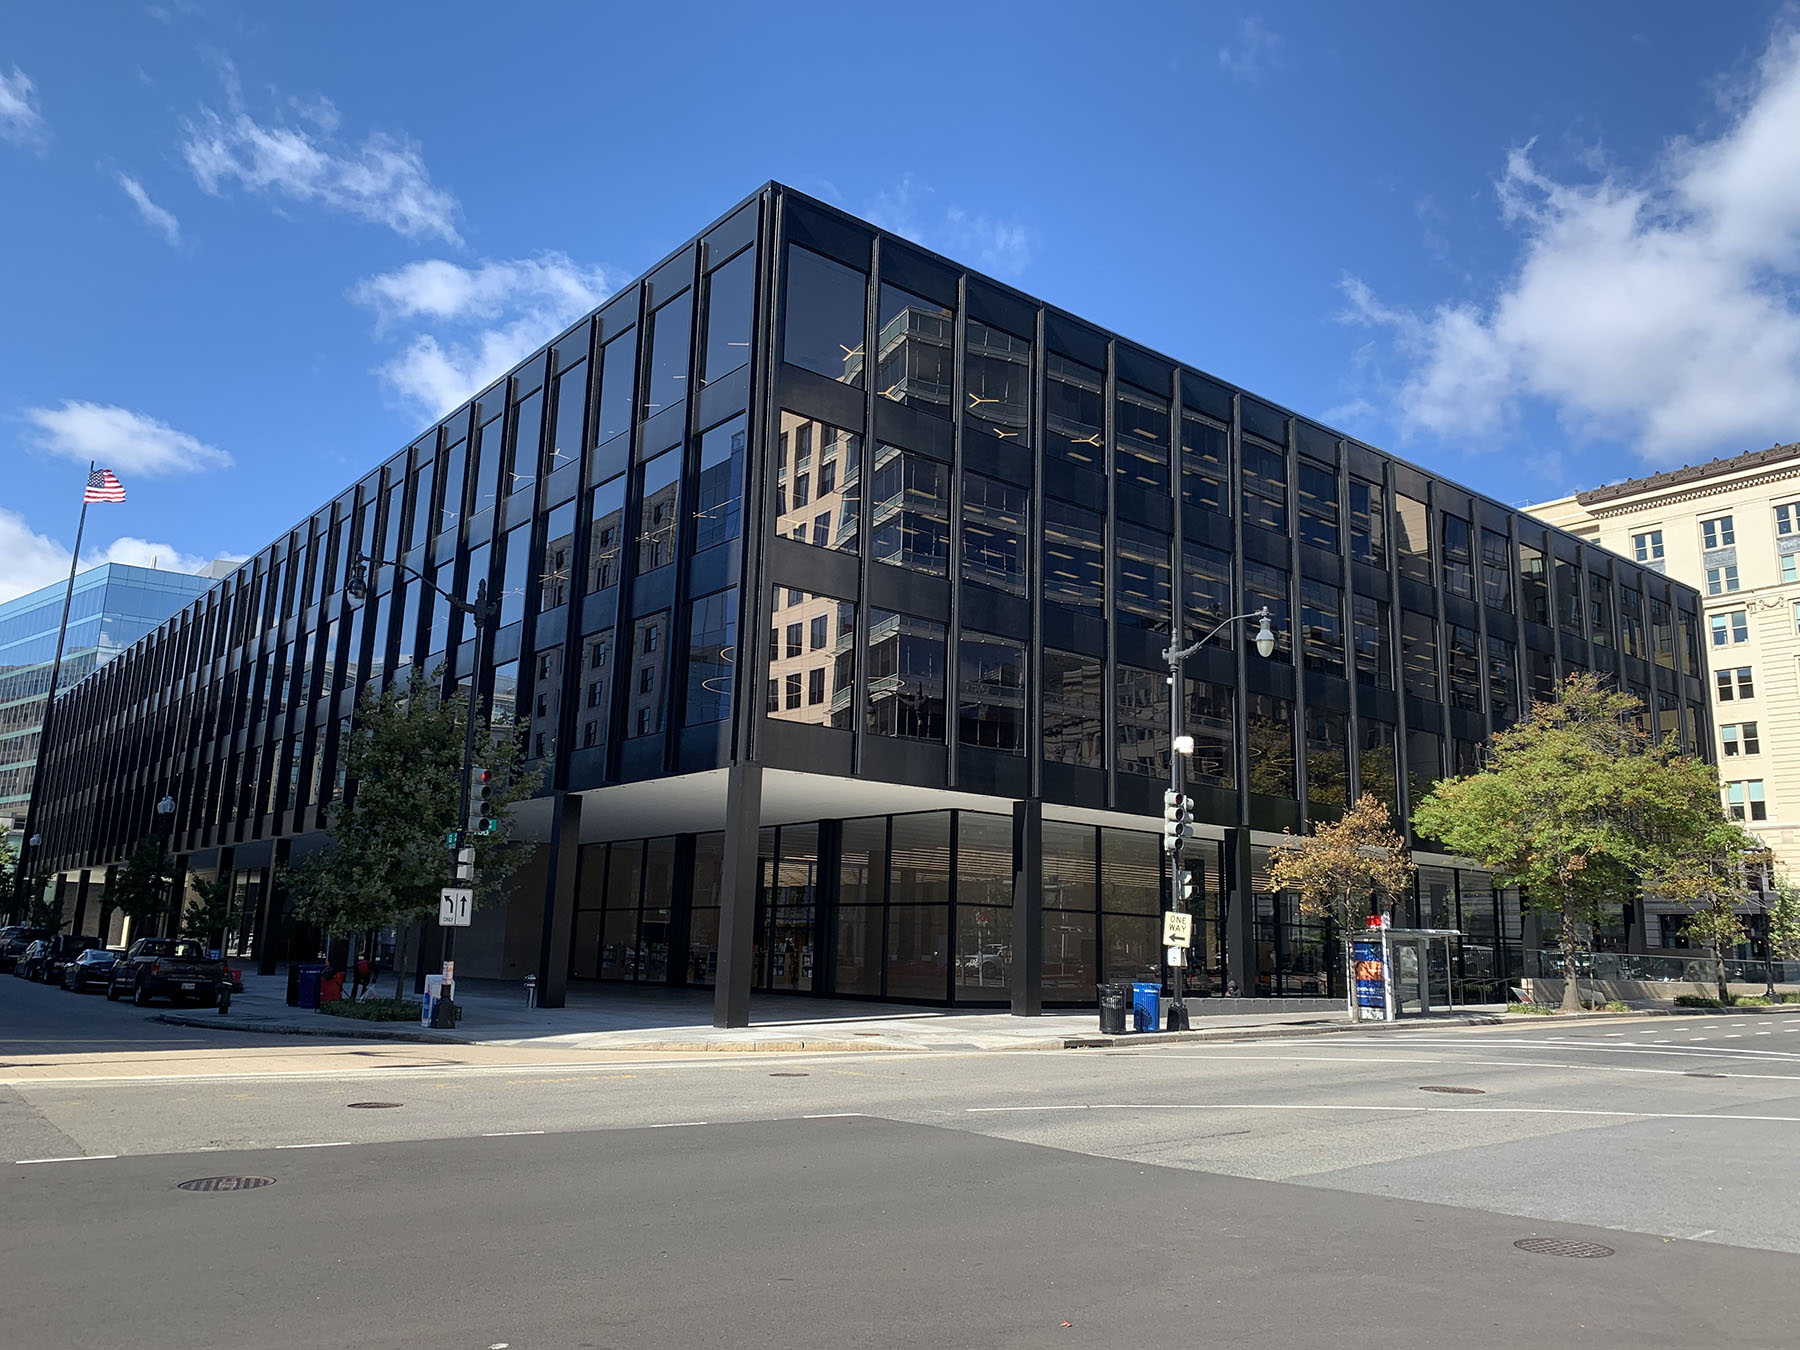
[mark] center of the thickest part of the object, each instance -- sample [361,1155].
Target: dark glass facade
[848,679]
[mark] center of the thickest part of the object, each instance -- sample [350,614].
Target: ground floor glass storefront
[919,907]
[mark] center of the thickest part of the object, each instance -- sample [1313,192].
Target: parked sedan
[14,939]
[91,970]
[32,961]
[64,948]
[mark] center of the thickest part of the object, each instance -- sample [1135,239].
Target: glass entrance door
[786,900]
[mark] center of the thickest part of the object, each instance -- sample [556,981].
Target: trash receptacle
[1146,1007]
[434,994]
[307,991]
[293,989]
[1113,999]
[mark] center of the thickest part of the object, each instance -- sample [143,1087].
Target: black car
[32,961]
[14,939]
[64,948]
[92,969]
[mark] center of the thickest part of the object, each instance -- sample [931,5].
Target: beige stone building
[1730,527]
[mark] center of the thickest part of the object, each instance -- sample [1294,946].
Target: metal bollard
[531,991]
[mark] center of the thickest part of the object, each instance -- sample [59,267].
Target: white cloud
[163,222]
[21,121]
[1254,52]
[488,318]
[29,560]
[383,180]
[999,246]
[121,440]
[1661,309]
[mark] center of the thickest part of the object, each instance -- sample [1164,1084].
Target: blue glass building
[114,605]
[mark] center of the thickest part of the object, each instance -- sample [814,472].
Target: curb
[1271,1033]
[374,1033]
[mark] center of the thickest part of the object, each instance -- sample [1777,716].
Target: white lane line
[1484,1063]
[507,1134]
[78,1157]
[1765,1033]
[1712,1051]
[1411,1110]
[330,1143]
[676,1124]
[832,1115]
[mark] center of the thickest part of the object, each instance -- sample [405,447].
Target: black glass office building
[835,580]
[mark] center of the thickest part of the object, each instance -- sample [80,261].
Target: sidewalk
[680,1020]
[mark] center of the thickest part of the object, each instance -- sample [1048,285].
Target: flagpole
[62,633]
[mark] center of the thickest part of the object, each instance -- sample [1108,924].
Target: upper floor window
[1734,684]
[1739,738]
[1648,546]
[1496,569]
[1317,485]
[1265,486]
[1745,800]
[1717,532]
[1787,518]
[1722,580]
[1415,538]
[1459,562]
[1368,523]
[1732,627]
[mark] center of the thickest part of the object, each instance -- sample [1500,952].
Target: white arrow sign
[454,906]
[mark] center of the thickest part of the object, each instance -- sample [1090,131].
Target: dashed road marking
[78,1157]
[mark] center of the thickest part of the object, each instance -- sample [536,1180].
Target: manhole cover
[789,1074]
[1703,1075]
[225,1183]
[1561,1247]
[1459,1091]
[371,1106]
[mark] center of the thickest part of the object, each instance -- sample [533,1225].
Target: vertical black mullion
[1241,914]
[1109,661]
[887,873]
[953,637]
[865,513]
[675,708]
[825,906]
[1296,637]
[1347,627]
[1483,684]
[762,421]
[1390,506]
[1034,534]
[950,919]
[630,522]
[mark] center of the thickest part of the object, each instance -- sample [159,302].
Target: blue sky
[250,250]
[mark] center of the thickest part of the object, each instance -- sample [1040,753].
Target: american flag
[103,486]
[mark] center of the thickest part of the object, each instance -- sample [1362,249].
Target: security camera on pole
[1178,811]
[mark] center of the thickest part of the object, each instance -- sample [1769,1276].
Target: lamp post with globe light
[1177,811]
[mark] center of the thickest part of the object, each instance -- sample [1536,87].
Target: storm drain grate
[789,1074]
[1458,1091]
[211,1184]
[1562,1247]
[371,1106]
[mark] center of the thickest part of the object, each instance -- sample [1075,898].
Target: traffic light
[1189,886]
[1178,818]
[465,866]
[481,804]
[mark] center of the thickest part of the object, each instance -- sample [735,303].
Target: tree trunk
[1571,950]
[1718,952]
[1356,1012]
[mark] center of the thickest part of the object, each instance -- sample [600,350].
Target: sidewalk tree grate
[1459,1091]
[209,1185]
[371,1106]
[1562,1247]
[789,1073]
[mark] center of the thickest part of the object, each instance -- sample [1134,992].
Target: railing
[1701,970]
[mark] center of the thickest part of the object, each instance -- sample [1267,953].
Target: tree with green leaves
[1710,877]
[209,919]
[9,870]
[1781,907]
[386,859]
[140,885]
[1574,804]
[1340,867]
[44,910]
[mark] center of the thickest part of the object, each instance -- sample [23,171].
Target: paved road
[1225,1194]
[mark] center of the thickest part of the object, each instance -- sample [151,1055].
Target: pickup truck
[173,968]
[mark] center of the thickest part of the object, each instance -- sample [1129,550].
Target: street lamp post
[1182,745]
[481,610]
[165,829]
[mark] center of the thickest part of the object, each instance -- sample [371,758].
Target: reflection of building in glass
[850,681]
[113,606]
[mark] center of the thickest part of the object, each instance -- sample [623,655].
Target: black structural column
[62,895]
[1028,908]
[81,899]
[559,899]
[1240,916]
[737,900]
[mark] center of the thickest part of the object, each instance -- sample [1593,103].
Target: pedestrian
[365,974]
[331,988]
